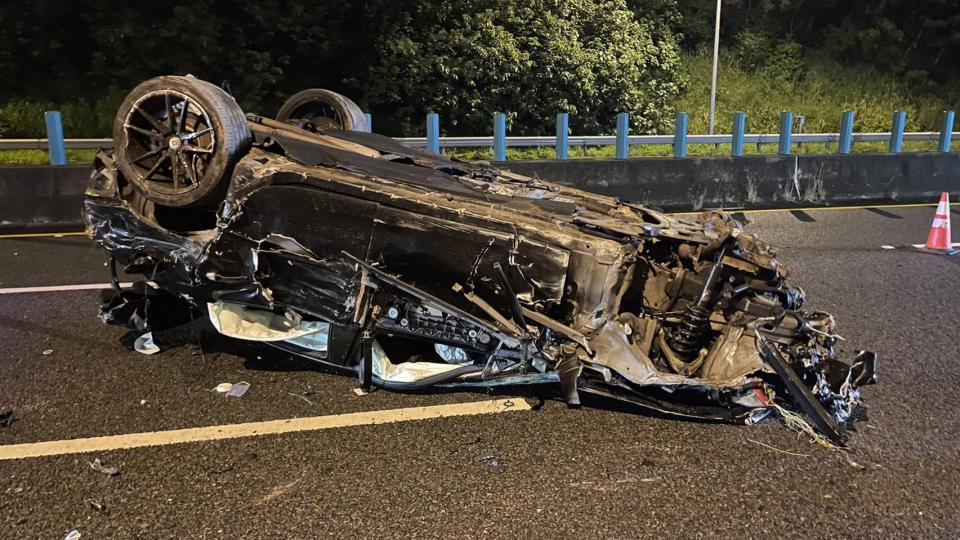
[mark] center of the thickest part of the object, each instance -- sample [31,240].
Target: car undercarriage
[413,270]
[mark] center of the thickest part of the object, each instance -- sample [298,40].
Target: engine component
[694,328]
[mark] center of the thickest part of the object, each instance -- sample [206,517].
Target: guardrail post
[786,133]
[946,132]
[500,137]
[845,145]
[55,143]
[739,132]
[680,135]
[896,132]
[368,118]
[563,130]
[623,131]
[433,133]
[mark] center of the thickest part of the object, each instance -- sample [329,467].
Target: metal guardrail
[550,141]
[42,144]
[563,141]
[610,140]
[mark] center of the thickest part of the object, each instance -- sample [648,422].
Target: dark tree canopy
[916,38]
[463,59]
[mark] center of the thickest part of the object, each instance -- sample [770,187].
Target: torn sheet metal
[323,242]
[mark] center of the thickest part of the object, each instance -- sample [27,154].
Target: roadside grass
[15,158]
[820,93]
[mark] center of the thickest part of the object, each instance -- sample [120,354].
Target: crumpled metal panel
[527,280]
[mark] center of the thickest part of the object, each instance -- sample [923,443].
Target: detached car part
[412,269]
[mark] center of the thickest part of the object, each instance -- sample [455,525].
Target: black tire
[317,110]
[170,161]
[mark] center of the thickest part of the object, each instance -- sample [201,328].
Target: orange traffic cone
[939,239]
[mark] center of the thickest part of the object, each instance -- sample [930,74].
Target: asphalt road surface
[547,471]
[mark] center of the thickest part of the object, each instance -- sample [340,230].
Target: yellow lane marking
[256,429]
[60,288]
[43,235]
[818,208]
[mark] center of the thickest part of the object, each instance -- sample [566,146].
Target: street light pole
[713,84]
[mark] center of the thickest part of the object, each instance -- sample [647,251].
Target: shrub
[529,59]
[21,119]
[779,60]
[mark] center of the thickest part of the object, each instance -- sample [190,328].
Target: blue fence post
[786,133]
[896,132]
[946,132]
[433,133]
[500,137]
[739,133]
[623,131]
[55,143]
[563,130]
[680,135]
[368,118]
[845,145]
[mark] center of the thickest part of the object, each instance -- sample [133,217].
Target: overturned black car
[411,269]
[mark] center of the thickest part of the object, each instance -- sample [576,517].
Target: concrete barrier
[50,197]
[42,198]
[758,181]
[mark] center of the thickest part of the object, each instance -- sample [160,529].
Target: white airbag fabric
[405,372]
[241,322]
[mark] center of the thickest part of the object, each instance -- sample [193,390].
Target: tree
[913,38]
[264,49]
[85,55]
[530,59]
[917,38]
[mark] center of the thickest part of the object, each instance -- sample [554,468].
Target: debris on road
[144,344]
[96,505]
[6,418]
[231,389]
[610,484]
[98,466]
[492,461]
[413,270]
[851,462]
[301,396]
[47,352]
[765,445]
[475,440]
[238,390]
[73,535]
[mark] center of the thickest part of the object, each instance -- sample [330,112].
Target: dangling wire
[797,423]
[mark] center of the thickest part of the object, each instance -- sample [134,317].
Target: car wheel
[177,139]
[317,109]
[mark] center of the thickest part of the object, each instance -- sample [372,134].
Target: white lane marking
[57,288]
[955,244]
[254,429]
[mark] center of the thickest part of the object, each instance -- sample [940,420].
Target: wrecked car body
[414,270]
